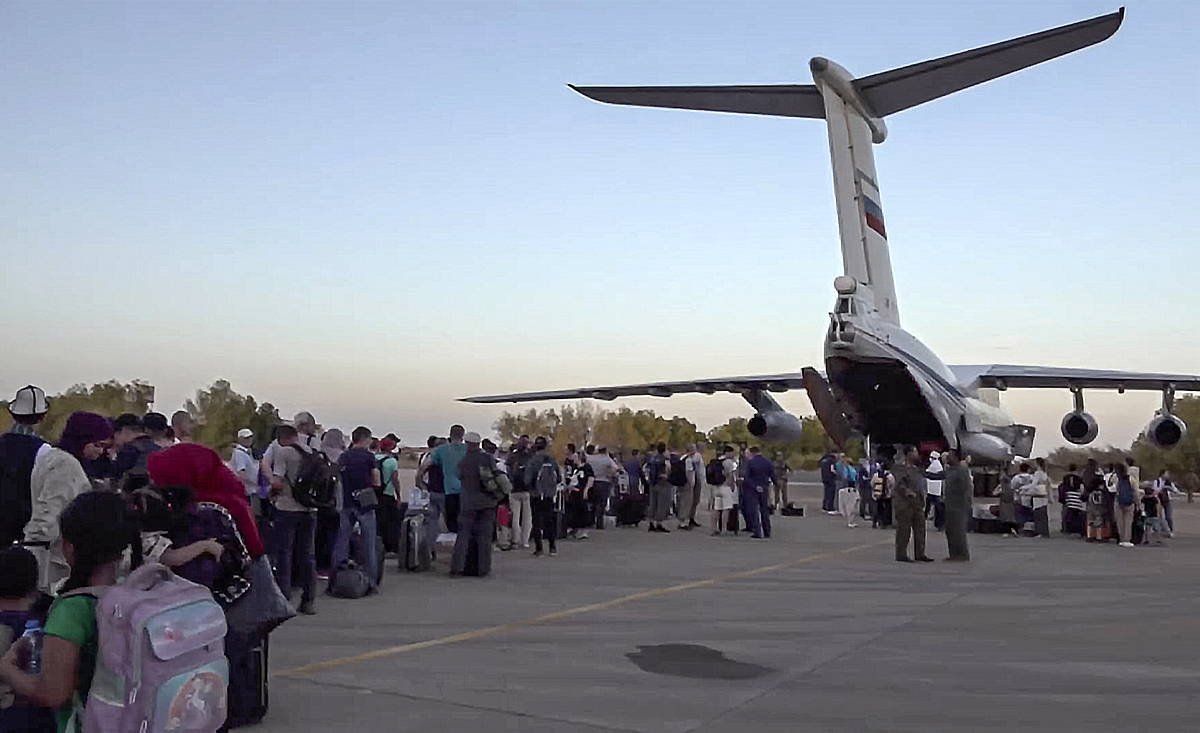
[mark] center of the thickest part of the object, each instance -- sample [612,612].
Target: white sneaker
[851,525]
[1126,544]
[832,514]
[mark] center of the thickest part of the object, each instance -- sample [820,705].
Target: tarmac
[815,629]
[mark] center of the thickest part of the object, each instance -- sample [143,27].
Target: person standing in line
[429,479]
[934,475]
[1125,504]
[866,503]
[605,471]
[477,516]
[1071,495]
[1039,498]
[1164,487]
[782,472]
[657,465]
[245,467]
[908,506]
[883,484]
[447,457]
[543,477]
[520,501]
[828,466]
[633,469]
[19,451]
[760,474]
[1191,484]
[294,525]
[957,490]
[388,514]
[360,484]
[695,468]
[848,496]
[723,490]
[182,425]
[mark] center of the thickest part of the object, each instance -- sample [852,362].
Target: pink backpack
[161,664]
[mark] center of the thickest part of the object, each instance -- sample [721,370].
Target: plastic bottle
[33,647]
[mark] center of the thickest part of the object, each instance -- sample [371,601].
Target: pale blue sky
[371,209]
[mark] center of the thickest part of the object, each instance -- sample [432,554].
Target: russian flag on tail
[874,216]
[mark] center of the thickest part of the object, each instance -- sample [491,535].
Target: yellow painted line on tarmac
[487,631]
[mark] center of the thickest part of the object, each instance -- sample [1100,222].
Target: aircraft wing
[1007,375]
[737,385]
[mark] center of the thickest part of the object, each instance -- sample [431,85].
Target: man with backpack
[721,477]
[543,477]
[295,525]
[520,501]
[678,477]
[19,449]
[483,487]
[656,472]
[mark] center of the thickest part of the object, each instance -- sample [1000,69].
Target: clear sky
[370,209]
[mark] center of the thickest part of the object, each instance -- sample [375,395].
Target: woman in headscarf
[200,469]
[58,477]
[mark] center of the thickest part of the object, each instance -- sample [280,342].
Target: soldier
[908,505]
[958,488]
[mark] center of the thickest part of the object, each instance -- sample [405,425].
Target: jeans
[473,548]
[522,517]
[365,519]
[829,498]
[601,490]
[545,522]
[437,510]
[1169,516]
[453,501]
[757,511]
[293,537]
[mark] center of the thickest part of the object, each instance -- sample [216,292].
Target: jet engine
[775,426]
[1165,430]
[1079,427]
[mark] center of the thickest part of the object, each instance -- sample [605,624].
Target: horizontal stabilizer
[782,100]
[899,89]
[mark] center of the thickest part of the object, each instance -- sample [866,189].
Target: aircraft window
[845,306]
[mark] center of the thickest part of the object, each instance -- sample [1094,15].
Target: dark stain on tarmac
[695,661]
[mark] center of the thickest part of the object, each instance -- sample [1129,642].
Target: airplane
[880,382]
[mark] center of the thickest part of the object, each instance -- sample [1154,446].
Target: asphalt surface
[816,629]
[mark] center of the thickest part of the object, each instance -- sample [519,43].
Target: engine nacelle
[1079,427]
[775,427]
[1166,430]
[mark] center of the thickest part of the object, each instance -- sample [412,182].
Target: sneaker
[1126,544]
[832,514]
[663,529]
[525,546]
[852,524]
[308,608]
[554,552]
[581,536]
[694,524]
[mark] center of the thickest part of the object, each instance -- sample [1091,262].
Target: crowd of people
[116,494]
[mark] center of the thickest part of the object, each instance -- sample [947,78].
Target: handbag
[366,498]
[263,606]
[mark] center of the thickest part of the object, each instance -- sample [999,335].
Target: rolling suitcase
[415,555]
[248,697]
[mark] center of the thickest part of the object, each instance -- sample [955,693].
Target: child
[95,533]
[20,602]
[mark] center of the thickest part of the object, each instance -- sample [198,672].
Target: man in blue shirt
[760,474]
[360,479]
[447,457]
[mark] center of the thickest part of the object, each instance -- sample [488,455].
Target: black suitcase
[248,697]
[631,510]
[733,520]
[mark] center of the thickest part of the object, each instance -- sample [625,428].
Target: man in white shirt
[934,475]
[246,468]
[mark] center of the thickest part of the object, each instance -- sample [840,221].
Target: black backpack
[17,455]
[678,474]
[714,474]
[316,484]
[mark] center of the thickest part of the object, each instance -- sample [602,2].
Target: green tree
[220,412]
[1182,458]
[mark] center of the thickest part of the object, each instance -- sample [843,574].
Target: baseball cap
[471,438]
[29,400]
[245,433]
[387,444]
[935,455]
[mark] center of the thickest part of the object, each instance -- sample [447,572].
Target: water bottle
[33,647]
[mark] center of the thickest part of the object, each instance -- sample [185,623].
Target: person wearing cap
[245,467]
[57,478]
[935,473]
[389,513]
[134,445]
[19,449]
[477,513]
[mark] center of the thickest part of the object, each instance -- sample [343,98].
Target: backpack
[1125,496]
[655,468]
[678,474]
[714,474]
[225,577]
[383,485]
[494,483]
[545,483]
[349,581]
[160,664]
[317,482]
[17,456]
